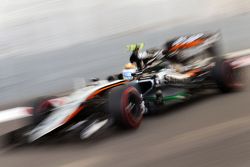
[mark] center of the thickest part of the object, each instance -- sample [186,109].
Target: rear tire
[227,78]
[125,106]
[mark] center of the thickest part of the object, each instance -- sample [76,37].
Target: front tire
[125,106]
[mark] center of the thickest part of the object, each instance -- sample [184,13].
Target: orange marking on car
[176,47]
[187,45]
[193,73]
[73,114]
[105,88]
[194,43]
[90,97]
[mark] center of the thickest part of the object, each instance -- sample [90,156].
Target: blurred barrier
[29,27]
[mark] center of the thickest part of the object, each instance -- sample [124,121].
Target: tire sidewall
[118,101]
[224,76]
[128,117]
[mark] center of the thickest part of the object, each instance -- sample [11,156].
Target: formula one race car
[184,66]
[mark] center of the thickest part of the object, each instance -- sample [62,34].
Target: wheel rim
[131,108]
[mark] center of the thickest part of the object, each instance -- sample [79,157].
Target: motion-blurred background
[46,45]
[35,26]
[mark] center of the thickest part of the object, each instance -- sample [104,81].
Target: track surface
[210,131]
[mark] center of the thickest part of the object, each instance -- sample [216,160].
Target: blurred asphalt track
[212,131]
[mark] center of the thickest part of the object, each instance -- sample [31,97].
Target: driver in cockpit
[140,59]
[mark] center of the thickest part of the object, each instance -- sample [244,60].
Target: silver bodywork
[60,114]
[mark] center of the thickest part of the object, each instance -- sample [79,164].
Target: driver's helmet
[128,71]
